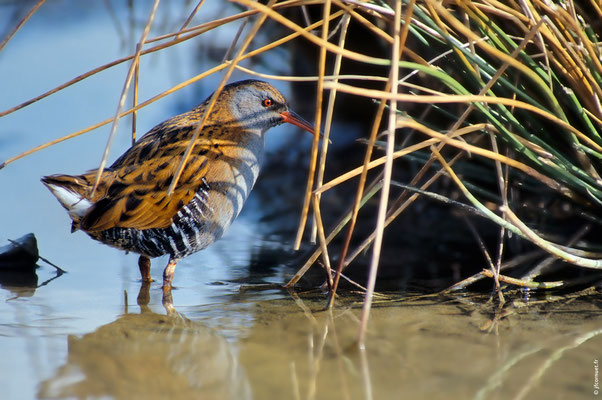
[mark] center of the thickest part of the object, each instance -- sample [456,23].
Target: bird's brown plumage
[133,191]
[130,208]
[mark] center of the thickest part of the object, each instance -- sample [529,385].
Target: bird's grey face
[258,105]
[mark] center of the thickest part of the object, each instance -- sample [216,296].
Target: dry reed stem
[399,153]
[190,17]
[121,103]
[517,226]
[545,264]
[401,204]
[322,239]
[196,78]
[370,191]
[584,42]
[377,31]
[522,283]
[225,20]
[311,78]
[516,261]
[509,225]
[550,247]
[330,111]
[498,73]
[496,53]
[583,82]
[488,259]
[213,100]
[135,96]
[400,97]
[396,209]
[503,188]
[399,35]
[358,197]
[540,41]
[22,22]
[457,124]
[313,38]
[192,32]
[344,261]
[234,42]
[363,170]
[316,139]
[206,27]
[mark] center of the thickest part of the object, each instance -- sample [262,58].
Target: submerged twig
[516,261]
[523,283]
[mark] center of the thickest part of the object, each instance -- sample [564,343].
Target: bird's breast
[226,186]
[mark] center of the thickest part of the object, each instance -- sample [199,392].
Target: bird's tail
[72,191]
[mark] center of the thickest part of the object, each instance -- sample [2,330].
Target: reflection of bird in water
[149,356]
[130,208]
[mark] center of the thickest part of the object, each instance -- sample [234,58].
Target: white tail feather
[74,203]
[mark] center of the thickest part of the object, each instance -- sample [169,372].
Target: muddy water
[93,333]
[278,344]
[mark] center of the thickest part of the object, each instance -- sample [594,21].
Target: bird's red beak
[293,118]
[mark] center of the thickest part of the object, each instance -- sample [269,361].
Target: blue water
[61,41]
[84,335]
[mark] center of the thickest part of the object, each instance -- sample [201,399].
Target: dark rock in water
[18,265]
[20,254]
[21,282]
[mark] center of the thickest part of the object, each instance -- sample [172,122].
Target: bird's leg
[144,264]
[168,274]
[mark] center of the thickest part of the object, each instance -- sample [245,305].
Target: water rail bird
[131,209]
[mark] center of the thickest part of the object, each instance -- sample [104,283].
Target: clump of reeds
[510,89]
[525,81]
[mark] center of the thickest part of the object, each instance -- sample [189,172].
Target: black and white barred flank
[192,229]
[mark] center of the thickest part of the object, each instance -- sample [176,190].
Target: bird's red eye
[267,102]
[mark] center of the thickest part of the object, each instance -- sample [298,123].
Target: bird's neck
[248,146]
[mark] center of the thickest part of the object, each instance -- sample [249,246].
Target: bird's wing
[136,191]
[138,199]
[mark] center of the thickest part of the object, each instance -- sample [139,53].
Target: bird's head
[259,106]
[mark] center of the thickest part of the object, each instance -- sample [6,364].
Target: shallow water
[93,333]
[86,342]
